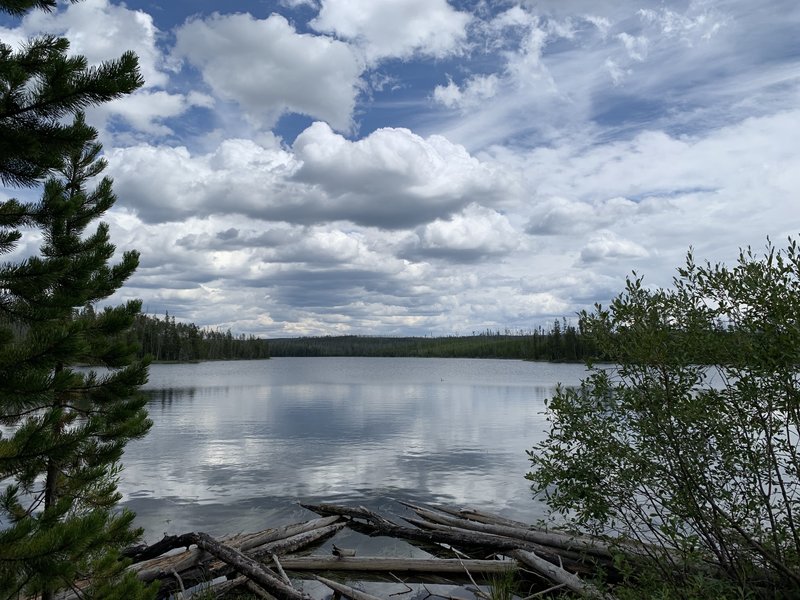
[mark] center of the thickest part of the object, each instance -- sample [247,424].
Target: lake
[234,445]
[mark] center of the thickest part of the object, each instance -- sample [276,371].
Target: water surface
[234,445]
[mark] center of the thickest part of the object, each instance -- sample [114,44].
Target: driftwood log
[250,568]
[196,565]
[513,541]
[561,541]
[475,544]
[444,534]
[384,564]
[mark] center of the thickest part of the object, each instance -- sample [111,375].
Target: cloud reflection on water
[234,444]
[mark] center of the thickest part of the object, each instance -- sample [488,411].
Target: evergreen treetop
[20,7]
[40,85]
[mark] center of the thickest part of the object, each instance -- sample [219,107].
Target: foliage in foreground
[690,445]
[63,430]
[66,428]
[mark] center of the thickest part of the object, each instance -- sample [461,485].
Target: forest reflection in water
[235,444]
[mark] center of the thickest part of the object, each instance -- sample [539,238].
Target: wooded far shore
[167,340]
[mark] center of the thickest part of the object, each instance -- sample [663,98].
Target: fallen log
[203,570]
[559,576]
[246,542]
[245,565]
[304,535]
[574,560]
[222,590]
[258,592]
[474,514]
[206,559]
[382,526]
[351,512]
[547,561]
[440,566]
[453,536]
[161,567]
[242,541]
[603,547]
[561,541]
[569,546]
[296,542]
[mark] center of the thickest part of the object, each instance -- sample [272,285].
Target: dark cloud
[451,255]
[229,234]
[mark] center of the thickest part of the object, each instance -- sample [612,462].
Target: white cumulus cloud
[146,109]
[268,68]
[394,178]
[560,216]
[606,245]
[395,28]
[163,183]
[473,234]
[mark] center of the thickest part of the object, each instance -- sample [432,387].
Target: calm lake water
[234,445]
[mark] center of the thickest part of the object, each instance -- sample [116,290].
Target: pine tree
[62,427]
[69,425]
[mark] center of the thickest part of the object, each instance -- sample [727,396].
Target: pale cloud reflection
[361,430]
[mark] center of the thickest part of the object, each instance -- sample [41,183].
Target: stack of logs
[259,562]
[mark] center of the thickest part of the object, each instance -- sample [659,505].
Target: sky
[434,167]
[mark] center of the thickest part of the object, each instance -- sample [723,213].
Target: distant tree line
[562,342]
[166,339]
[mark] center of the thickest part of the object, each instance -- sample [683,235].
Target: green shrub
[690,443]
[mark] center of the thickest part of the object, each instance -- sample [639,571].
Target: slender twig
[401,582]
[478,591]
[547,591]
[180,583]
[283,574]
